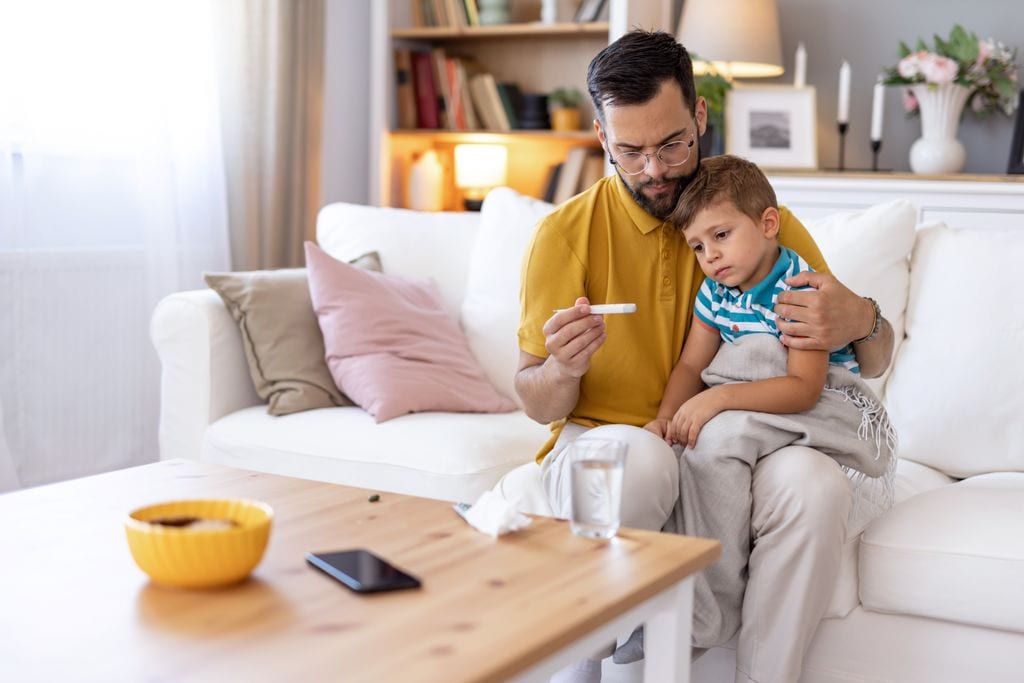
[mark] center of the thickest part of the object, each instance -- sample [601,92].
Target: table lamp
[737,38]
[478,168]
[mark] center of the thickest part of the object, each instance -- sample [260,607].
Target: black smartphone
[362,571]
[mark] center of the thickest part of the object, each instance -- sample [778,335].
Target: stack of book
[450,13]
[583,166]
[439,91]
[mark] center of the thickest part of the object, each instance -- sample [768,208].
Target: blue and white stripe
[735,313]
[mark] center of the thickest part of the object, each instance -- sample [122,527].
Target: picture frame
[588,11]
[1016,163]
[774,126]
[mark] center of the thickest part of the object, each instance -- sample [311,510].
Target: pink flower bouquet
[986,68]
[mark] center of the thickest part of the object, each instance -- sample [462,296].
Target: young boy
[730,218]
[760,396]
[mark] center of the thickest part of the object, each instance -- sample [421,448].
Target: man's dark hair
[632,69]
[729,179]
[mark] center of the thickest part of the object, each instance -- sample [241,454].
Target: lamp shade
[740,38]
[480,166]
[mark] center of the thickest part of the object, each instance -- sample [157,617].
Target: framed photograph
[774,126]
[1016,164]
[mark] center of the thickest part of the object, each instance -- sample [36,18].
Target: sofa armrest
[203,372]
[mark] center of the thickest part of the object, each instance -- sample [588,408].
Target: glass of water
[596,488]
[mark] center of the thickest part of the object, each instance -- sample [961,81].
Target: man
[579,372]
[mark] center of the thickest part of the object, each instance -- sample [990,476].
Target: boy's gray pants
[780,517]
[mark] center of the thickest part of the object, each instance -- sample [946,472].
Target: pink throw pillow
[390,345]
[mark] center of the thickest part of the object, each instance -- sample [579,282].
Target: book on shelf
[444,92]
[593,170]
[464,98]
[570,175]
[488,102]
[583,166]
[552,184]
[405,91]
[511,101]
[445,13]
[427,114]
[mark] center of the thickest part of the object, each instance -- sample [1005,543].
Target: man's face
[645,128]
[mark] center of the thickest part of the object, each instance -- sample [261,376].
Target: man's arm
[549,387]
[831,316]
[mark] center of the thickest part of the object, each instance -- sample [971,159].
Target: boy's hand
[660,428]
[693,415]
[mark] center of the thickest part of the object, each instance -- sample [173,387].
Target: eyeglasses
[671,154]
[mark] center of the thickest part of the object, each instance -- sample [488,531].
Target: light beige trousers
[801,502]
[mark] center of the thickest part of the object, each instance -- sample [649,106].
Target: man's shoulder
[581,206]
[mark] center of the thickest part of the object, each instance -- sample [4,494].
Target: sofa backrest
[955,393]
[410,243]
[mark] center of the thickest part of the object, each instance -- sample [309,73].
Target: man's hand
[571,338]
[693,415]
[823,319]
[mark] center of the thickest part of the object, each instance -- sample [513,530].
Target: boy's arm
[795,392]
[700,347]
[798,390]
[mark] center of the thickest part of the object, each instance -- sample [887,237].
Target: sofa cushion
[955,390]
[954,553]
[410,243]
[490,311]
[868,252]
[283,346]
[390,345]
[450,456]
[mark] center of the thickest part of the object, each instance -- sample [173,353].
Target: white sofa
[931,591]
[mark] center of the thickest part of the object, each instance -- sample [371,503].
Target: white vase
[938,150]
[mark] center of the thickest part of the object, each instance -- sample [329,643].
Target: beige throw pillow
[281,337]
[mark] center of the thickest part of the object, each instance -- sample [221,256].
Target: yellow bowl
[197,557]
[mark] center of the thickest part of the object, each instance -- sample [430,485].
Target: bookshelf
[537,57]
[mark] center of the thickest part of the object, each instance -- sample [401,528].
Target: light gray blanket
[848,423]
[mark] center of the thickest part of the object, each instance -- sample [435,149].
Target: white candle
[877,107]
[800,69]
[844,92]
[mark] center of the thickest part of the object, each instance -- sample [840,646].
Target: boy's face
[731,248]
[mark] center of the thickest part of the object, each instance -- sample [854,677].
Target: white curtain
[111,196]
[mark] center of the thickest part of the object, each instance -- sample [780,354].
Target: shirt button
[665,254]
[666,281]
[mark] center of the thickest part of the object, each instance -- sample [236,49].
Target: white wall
[346,145]
[867,33]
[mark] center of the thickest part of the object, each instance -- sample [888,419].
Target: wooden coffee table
[73,605]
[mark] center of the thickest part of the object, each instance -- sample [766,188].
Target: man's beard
[663,206]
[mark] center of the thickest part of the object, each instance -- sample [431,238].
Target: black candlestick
[843,127]
[875,146]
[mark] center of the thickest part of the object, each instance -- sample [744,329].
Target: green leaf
[1005,87]
[921,47]
[904,49]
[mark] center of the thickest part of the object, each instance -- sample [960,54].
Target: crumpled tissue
[493,515]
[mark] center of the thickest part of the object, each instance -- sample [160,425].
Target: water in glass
[597,471]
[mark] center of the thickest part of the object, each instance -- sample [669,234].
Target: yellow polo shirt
[571,255]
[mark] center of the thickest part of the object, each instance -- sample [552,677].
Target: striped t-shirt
[734,313]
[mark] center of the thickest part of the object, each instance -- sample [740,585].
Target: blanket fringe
[871,495]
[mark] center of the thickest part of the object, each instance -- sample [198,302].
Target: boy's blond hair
[725,178]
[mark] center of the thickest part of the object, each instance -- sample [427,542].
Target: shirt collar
[763,293]
[643,221]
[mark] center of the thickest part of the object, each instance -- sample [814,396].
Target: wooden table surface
[74,606]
